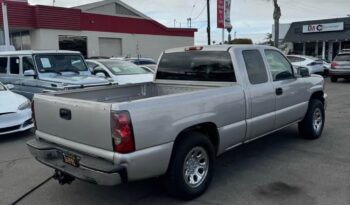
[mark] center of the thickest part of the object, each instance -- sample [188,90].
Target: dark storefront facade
[319,38]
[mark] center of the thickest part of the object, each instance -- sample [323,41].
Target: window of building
[21,40]
[14,65]
[279,66]
[255,66]
[73,43]
[3,65]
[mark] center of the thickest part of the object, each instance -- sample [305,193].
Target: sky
[250,18]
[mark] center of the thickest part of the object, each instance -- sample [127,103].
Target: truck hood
[128,79]
[76,80]
[9,101]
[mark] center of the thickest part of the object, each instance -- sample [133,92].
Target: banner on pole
[223,13]
[228,13]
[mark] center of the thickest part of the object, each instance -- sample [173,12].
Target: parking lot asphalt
[278,169]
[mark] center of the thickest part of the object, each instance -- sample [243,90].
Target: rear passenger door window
[279,66]
[14,65]
[3,65]
[255,66]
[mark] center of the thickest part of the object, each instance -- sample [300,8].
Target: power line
[200,13]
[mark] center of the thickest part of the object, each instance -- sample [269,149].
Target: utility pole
[189,22]
[6,24]
[276,16]
[208,28]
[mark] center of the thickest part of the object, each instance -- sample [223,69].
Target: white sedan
[15,112]
[314,65]
[119,71]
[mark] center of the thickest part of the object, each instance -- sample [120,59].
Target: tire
[334,79]
[176,182]
[312,125]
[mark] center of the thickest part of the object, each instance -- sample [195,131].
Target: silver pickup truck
[203,102]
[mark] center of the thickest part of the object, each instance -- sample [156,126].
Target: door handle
[65,114]
[279,91]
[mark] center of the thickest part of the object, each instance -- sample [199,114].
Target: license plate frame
[70,159]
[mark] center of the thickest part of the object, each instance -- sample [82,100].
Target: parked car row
[48,71]
[203,102]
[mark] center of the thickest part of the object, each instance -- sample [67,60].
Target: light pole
[276,17]
[208,14]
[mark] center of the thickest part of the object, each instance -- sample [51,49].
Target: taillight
[333,65]
[33,114]
[122,132]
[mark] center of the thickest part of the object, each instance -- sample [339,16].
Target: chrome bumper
[90,169]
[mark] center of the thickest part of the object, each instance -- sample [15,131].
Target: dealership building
[106,28]
[319,38]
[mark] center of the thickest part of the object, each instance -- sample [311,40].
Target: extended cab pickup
[203,102]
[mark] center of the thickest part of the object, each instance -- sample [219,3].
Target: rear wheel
[191,167]
[312,125]
[334,79]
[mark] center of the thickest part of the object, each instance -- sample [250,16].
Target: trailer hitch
[63,178]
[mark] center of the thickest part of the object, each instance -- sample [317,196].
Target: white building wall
[148,45]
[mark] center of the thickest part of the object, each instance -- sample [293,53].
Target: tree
[241,41]
[269,39]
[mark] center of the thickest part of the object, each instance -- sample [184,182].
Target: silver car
[45,71]
[340,67]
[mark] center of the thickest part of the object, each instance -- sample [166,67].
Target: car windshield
[123,68]
[342,57]
[60,63]
[2,87]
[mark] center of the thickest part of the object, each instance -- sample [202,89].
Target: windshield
[197,66]
[2,87]
[123,68]
[60,63]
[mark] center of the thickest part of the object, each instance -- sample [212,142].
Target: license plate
[70,159]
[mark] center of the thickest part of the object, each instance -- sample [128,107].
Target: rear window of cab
[215,66]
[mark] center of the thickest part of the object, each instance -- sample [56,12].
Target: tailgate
[80,121]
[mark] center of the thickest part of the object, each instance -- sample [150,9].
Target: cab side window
[256,69]
[14,65]
[3,65]
[28,63]
[279,66]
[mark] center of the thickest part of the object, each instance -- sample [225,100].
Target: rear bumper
[100,166]
[345,74]
[91,169]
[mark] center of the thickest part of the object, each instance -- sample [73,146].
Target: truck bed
[115,94]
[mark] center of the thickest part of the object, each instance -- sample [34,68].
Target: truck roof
[31,52]
[216,47]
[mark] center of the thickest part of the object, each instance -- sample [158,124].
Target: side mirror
[10,86]
[100,74]
[303,72]
[29,73]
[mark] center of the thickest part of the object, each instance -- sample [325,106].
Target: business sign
[317,28]
[223,13]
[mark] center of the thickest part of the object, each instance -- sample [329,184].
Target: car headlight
[25,105]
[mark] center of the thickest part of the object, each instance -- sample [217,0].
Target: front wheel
[312,125]
[191,166]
